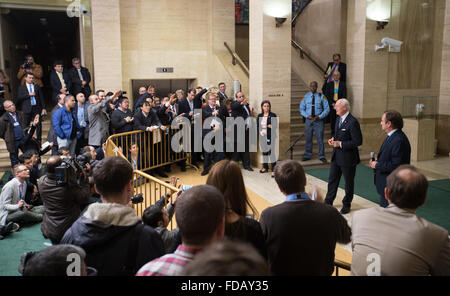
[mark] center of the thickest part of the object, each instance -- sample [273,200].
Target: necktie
[330,77]
[336,90]
[340,122]
[63,84]
[33,99]
[313,107]
[20,191]
[79,74]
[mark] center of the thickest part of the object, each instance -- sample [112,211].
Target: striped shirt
[169,264]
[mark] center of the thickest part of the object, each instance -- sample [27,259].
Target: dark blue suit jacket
[351,137]
[394,152]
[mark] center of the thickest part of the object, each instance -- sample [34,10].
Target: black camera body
[70,172]
[138,198]
[84,159]
[27,65]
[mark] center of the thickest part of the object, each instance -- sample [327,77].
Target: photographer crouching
[63,190]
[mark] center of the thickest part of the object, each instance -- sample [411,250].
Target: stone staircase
[5,163]
[298,90]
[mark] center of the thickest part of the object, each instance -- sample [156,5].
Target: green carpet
[29,238]
[436,208]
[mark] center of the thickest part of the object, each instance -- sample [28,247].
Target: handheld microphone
[372,156]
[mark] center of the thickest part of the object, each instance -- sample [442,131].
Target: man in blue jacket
[394,151]
[314,108]
[66,126]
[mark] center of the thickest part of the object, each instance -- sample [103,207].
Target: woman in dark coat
[264,124]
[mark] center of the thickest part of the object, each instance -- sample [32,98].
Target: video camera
[27,65]
[71,170]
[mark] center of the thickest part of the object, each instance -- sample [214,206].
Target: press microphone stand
[291,148]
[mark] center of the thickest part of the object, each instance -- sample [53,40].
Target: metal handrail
[303,53]
[235,58]
[299,12]
[152,189]
[341,264]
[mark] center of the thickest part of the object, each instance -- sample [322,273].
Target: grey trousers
[34,215]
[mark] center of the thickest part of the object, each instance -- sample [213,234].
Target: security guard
[314,111]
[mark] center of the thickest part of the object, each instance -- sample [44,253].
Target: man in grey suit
[394,241]
[98,119]
[13,207]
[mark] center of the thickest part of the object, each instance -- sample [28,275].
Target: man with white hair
[345,157]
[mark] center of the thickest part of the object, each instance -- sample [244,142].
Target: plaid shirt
[169,264]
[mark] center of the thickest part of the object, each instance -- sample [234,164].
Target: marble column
[444,95]
[367,72]
[270,64]
[107,47]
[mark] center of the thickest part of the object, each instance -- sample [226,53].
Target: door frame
[46,8]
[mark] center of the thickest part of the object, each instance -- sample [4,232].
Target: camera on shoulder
[71,170]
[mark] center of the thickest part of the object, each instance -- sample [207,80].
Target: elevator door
[162,86]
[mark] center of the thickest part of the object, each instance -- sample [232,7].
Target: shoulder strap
[133,248]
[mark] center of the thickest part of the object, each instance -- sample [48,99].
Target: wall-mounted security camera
[75,9]
[394,45]
[84,9]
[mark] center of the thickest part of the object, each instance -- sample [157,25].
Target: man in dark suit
[149,94]
[59,80]
[394,152]
[211,110]
[80,78]
[241,108]
[345,155]
[334,91]
[222,95]
[186,107]
[12,130]
[30,99]
[286,226]
[335,65]
[147,120]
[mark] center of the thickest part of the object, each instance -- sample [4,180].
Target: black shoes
[323,160]
[248,169]
[8,229]
[345,210]
[305,159]
[204,173]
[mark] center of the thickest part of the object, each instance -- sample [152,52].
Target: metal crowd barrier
[338,264]
[153,148]
[152,190]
